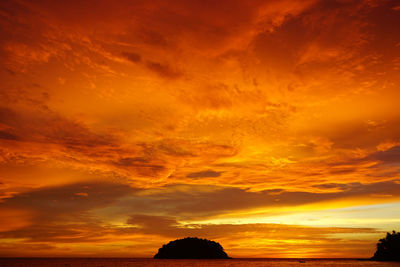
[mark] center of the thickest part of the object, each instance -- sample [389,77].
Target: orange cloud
[154,120]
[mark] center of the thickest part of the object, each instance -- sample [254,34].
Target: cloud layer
[124,125]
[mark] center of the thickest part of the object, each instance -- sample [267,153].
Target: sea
[126,262]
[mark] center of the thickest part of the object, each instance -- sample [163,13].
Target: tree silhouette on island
[191,248]
[388,248]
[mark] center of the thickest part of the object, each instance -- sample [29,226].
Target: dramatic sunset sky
[272,127]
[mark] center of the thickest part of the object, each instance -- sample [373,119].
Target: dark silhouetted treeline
[191,248]
[388,248]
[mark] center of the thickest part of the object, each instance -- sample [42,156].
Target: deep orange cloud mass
[272,127]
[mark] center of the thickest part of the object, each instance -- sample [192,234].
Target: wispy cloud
[149,120]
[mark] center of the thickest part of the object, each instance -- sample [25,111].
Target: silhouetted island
[388,248]
[191,248]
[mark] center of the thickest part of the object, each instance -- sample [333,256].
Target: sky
[271,127]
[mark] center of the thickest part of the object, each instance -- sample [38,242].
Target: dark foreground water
[77,262]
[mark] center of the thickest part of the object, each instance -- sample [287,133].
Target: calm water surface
[42,262]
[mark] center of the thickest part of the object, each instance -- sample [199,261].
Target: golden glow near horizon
[272,127]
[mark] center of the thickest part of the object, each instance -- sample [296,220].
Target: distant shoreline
[149,258]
